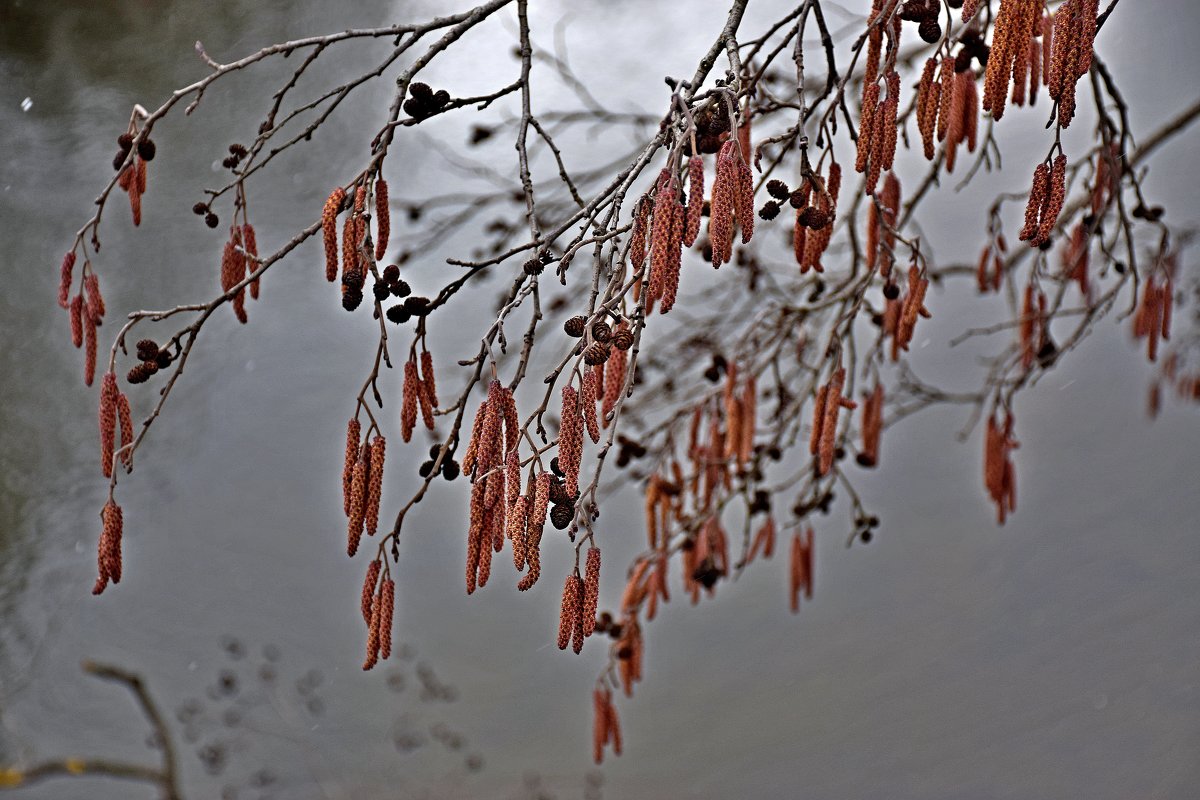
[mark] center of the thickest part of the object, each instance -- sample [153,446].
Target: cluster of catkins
[1033,329]
[86,311]
[238,259]
[999,476]
[362,483]
[1046,199]
[1153,317]
[577,615]
[132,177]
[948,106]
[830,402]
[378,606]
[800,568]
[605,357]
[420,391]
[358,258]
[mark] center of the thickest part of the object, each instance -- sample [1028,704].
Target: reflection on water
[1055,657]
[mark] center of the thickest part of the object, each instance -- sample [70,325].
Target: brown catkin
[329,231]
[472,452]
[743,197]
[383,219]
[518,518]
[866,126]
[108,421]
[814,440]
[77,320]
[64,279]
[637,238]
[89,354]
[373,628]
[250,245]
[568,611]
[95,300]
[108,552]
[350,251]
[424,400]
[353,432]
[833,406]
[358,495]
[427,377]
[1054,199]
[375,484]
[945,97]
[591,590]
[387,608]
[720,220]
[695,199]
[368,589]
[409,400]
[570,439]
[475,534]
[969,7]
[660,235]
[1037,198]
[125,417]
[890,110]
[928,99]
[137,182]
[587,398]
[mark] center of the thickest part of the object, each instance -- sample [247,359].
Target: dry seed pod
[596,353]
[623,338]
[333,206]
[575,326]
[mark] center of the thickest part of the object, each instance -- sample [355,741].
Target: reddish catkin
[472,452]
[368,589]
[108,421]
[945,97]
[409,400]
[570,439]
[637,238]
[125,417]
[383,219]
[872,425]
[375,484]
[250,244]
[591,590]
[108,552]
[76,315]
[661,231]
[350,251]
[1037,198]
[720,220]
[890,110]
[675,250]
[866,127]
[425,401]
[516,522]
[137,183]
[1035,70]
[89,354]
[568,611]
[64,279]
[428,378]
[833,406]
[387,608]
[333,205]
[358,496]
[969,7]
[353,433]
[141,175]
[743,197]
[1054,199]
[475,535]
[814,441]
[373,630]
[614,381]
[970,111]
[695,199]
[587,398]
[928,99]
[94,300]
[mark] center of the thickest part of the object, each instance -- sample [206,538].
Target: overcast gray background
[1055,657]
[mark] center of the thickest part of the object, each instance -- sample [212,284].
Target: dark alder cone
[778,189]
[575,326]
[558,493]
[199,209]
[421,90]
[417,306]
[533,266]
[142,372]
[769,211]
[622,339]
[147,350]
[798,198]
[161,361]
[891,291]
[401,289]
[450,469]
[440,98]
[211,220]
[596,353]
[398,314]
[381,291]
[125,141]
[146,149]
[929,30]
[391,274]
[601,331]
[561,516]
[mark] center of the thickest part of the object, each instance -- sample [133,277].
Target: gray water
[1054,657]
